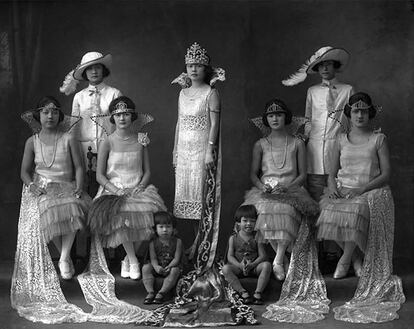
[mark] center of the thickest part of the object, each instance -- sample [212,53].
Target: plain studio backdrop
[258,43]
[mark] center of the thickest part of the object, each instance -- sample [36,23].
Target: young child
[57,179]
[245,256]
[92,100]
[357,211]
[165,252]
[278,173]
[122,212]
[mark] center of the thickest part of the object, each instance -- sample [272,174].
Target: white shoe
[64,268]
[125,268]
[279,271]
[134,271]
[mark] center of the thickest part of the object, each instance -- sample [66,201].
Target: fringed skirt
[279,215]
[119,219]
[60,211]
[344,220]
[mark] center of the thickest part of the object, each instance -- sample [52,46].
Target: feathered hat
[197,55]
[73,77]
[327,53]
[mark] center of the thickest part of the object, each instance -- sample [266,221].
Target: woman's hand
[78,193]
[138,189]
[209,161]
[354,193]
[266,188]
[335,194]
[36,190]
[279,189]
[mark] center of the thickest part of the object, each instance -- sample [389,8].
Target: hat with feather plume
[327,53]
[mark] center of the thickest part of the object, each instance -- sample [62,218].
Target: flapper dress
[60,211]
[367,220]
[192,142]
[133,221]
[279,215]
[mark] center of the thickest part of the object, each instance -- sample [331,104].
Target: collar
[101,86]
[329,83]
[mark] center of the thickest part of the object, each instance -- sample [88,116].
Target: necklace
[123,138]
[282,164]
[54,152]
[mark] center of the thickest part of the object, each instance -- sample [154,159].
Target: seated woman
[53,207]
[122,211]
[278,173]
[357,211]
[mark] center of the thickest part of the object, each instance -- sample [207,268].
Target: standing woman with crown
[93,100]
[197,134]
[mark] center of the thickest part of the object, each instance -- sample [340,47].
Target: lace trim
[188,209]
[193,122]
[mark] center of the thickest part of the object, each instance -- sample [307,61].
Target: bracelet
[104,186]
[211,143]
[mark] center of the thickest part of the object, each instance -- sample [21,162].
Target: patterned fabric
[192,140]
[35,288]
[379,293]
[165,252]
[303,298]
[326,122]
[245,249]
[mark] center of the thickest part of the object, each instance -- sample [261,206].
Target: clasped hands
[352,193]
[278,188]
[162,270]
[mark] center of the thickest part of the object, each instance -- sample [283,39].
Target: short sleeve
[143,139]
[213,101]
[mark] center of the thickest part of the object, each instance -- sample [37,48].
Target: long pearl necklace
[282,164]
[54,152]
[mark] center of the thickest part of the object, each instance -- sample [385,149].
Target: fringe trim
[125,235]
[62,228]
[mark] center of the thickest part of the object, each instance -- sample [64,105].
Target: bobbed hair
[164,217]
[45,101]
[360,97]
[130,104]
[105,71]
[247,211]
[277,101]
[336,65]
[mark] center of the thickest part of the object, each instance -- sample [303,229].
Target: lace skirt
[344,220]
[122,219]
[60,211]
[280,214]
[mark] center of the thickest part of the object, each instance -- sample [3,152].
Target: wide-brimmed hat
[91,58]
[327,53]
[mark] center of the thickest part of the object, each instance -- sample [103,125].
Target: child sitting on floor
[165,252]
[246,256]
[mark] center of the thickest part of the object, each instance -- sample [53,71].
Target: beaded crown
[197,55]
[274,108]
[122,107]
[360,105]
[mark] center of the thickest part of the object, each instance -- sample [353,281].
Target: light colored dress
[192,141]
[92,101]
[279,215]
[348,219]
[60,211]
[134,219]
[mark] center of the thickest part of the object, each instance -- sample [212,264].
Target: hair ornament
[69,85]
[274,108]
[122,107]
[359,105]
[197,55]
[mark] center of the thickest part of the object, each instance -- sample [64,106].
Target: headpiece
[273,108]
[73,77]
[359,105]
[323,54]
[197,55]
[293,128]
[122,107]
[65,125]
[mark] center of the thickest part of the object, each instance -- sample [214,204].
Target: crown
[360,105]
[274,108]
[196,55]
[122,107]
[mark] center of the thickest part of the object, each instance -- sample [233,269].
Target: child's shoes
[246,297]
[159,299]
[257,298]
[149,298]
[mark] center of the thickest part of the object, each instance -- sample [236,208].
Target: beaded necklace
[54,152]
[282,164]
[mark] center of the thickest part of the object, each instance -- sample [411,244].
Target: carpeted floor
[338,291]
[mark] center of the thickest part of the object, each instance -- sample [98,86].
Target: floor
[338,291]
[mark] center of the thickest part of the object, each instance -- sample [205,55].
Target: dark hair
[43,102]
[164,217]
[336,65]
[130,104]
[208,72]
[247,211]
[105,71]
[277,101]
[360,97]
